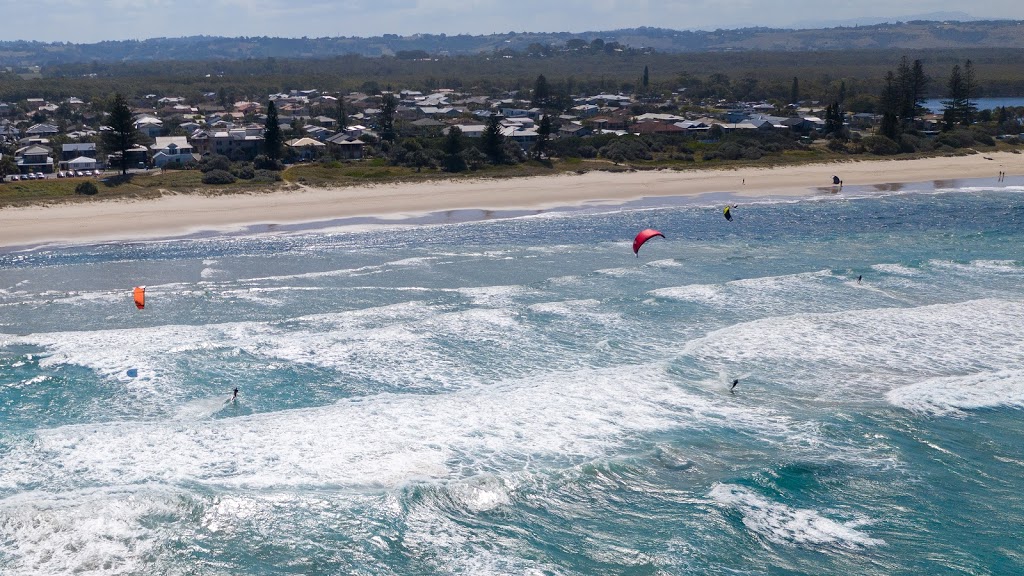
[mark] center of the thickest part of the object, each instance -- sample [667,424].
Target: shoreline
[178,215]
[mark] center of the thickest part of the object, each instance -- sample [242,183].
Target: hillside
[915,35]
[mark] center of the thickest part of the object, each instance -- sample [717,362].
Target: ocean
[518,393]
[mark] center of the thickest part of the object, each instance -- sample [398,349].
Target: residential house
[79,163]
[427,126]
[137,156]
[306,149]
[247,141]
[585,110]
[655,127]
[9,132]
[525,137]
[34,159]
[171,150]
[470,130]
[606,123]
[345,147]
[42,130]
[326,121]
[317,132]
[573,129]
[72,151]
[149,125]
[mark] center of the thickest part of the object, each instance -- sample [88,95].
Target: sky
[96,20]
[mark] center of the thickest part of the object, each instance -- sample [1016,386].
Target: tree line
[731,76]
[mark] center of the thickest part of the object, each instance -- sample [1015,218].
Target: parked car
[40,176]
[60,174]
[15,178]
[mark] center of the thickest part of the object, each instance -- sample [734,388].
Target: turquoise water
[524,396]
[936,106]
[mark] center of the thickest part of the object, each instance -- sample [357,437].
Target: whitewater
[518,393]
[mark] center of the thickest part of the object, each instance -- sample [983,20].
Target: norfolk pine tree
[272,139]
[122,136]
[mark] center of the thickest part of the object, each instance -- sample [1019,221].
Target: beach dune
[178,214]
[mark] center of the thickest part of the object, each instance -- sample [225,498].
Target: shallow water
[524,396]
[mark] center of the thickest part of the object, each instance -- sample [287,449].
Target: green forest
[748,76]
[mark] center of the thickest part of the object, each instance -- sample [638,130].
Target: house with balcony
[34,159]
[345,147]
[246,141]
[171,150]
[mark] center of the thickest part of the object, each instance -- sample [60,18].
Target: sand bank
[172,215]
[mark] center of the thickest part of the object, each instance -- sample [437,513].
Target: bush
[909,143]
[267,176]
[87,188]
[244,172]
[216,162]
[264,162]
[218,177]
[881,145]
[982,137]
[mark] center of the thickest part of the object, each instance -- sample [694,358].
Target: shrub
[218,177]
[264,162]
[244,172]
[216,162]
[267,176]
[982,137]
[909,143]
[87,188]
[881,145]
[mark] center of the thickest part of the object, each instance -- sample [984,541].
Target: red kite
[642,237]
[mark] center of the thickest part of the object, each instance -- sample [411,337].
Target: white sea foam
[496,295]
[774,293]
[385,440]
[897,269]
[94,531]
[956,394]
[783,524]
[860,350]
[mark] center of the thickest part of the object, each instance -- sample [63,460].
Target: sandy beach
[178,214]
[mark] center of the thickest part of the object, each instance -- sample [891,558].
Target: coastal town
[44,138]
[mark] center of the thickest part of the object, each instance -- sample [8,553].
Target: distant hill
[903,35]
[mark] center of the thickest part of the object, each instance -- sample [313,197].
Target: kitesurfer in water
[235,395]
[734,383]
[858,279]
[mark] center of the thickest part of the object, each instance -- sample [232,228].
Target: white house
[171,150]
[81,163]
